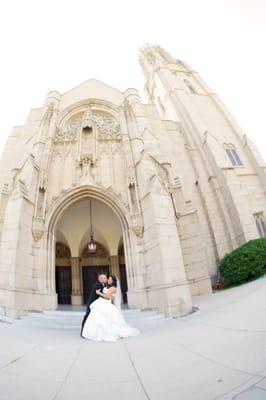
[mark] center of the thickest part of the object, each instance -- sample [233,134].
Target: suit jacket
[93,295]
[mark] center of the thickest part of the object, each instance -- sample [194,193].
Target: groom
[99,285]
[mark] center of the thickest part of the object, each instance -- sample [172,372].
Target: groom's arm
[97,286]
[109,294]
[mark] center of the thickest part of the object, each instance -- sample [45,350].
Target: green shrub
[244,263]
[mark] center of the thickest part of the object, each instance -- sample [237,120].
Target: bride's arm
[107,295]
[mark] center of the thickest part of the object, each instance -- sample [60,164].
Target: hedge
[245,263]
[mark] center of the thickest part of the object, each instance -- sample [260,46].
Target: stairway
[66,319]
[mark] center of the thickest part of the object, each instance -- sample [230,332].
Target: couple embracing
[104,320]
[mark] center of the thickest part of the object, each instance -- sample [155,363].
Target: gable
[91,89]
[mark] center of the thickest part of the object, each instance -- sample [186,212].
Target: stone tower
[219,170]
[173,184]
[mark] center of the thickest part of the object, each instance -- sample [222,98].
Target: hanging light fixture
[92,245]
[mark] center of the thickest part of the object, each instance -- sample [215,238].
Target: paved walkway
[219,352]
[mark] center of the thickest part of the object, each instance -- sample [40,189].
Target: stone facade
[174,181]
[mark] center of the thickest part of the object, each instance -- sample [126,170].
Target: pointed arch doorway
[92,265]
[70,227]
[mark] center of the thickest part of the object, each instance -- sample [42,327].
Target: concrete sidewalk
[219,352]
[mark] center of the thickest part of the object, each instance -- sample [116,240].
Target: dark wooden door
[123,281]
[90,276]
[63,285]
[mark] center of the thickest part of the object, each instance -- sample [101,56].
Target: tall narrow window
[160,103]
[261,223]
[232,154]
[189,86]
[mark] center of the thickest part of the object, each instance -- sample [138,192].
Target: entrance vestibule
[76,268]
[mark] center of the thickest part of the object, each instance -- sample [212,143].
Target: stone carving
[69,134]
[62,251]
[107,128]
[138,230]
[47,115]
[43,181]
[128,110]
[38,228]
[86,161]
[131,181]
[137,225]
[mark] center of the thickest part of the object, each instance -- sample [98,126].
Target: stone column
[167,287]
[76,296]
[114,266]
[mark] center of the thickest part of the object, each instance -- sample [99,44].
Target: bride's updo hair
[114,279]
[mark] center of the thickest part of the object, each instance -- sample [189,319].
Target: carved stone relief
[37,228]
[86,162]
[69,133]
[128,110]
[47,115]
[107,128]
[62,251]
[138,230]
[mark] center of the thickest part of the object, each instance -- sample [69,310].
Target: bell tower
[221,155]
[166,79]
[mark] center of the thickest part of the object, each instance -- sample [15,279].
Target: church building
[155,193]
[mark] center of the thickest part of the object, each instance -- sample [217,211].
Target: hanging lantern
[92,245]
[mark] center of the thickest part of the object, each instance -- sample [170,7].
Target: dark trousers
[84,318]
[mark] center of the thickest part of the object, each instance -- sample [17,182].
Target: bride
[105,321]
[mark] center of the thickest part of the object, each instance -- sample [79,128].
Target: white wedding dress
[106,322]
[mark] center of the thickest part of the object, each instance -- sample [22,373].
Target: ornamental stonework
[69,134]
[107,128]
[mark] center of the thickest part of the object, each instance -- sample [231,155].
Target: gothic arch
[80,107]
[58,207]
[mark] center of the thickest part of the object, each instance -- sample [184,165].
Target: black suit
[92,297]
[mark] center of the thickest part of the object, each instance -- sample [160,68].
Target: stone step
[73,315]
[76,314]
[76,321]
[72,319]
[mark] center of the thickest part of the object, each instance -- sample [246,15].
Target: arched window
[160,103]
[261,223]
[232,154]
[189,86]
